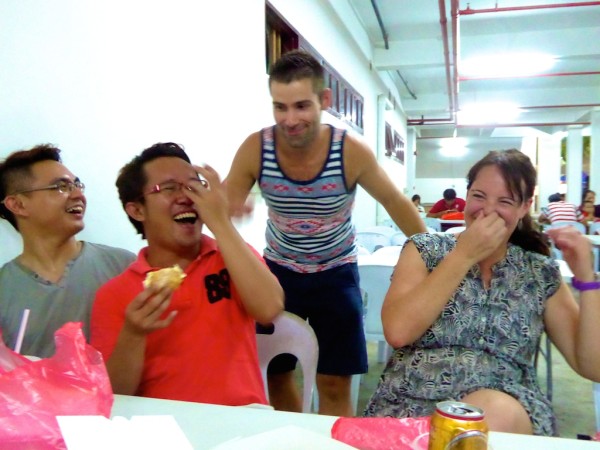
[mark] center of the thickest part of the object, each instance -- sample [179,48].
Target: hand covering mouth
[186,217]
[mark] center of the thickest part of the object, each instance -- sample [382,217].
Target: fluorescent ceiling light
[506,65]
[482,113]
[453,147]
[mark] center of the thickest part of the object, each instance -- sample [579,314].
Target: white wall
[431,189]
[105,79]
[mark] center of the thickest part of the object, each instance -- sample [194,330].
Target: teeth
[75,209]
[186,215]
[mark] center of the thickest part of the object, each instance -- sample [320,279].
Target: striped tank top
[309,225]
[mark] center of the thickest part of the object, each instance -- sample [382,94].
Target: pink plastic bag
[73,381]
[382,433]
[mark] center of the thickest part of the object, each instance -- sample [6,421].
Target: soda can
[458,426]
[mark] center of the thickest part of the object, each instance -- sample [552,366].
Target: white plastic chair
[455,230]
[295,336]
[374,282]
[372,240]
[383,229]
[398,238]
[597,405]
[390,250]
[434,223]
[580,227]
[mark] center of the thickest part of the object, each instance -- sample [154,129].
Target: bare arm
[417,297]
[259,289]
[142,316]
[362,167]
[243,174]
[574,328]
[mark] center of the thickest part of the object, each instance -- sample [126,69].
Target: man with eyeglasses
[197,343]
[56,276]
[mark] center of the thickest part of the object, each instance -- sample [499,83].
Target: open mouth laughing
[186,217]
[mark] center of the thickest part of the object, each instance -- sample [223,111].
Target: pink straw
[22,327]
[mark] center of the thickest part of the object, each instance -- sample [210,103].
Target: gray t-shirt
[53,304]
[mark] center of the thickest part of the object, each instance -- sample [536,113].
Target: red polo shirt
[208,353]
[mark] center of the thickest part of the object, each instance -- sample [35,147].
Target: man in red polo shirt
[196,343]
[449,204]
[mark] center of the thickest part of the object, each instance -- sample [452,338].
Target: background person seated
[558,210]
[449,204]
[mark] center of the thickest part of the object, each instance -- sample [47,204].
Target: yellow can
[458,426]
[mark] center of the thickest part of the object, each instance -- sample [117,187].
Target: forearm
[588,335]
[126,363]
[408,313]
[405,215]
[258,287]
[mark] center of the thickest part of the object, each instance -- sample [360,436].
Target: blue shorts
[331,301]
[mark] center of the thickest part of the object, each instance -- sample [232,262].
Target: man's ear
[325,99]
[15,205]
[135,210]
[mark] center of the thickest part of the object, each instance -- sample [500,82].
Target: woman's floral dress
[484,338]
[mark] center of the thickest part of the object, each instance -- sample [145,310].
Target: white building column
[595,154]
[574,164]
[411,162]
[548,167]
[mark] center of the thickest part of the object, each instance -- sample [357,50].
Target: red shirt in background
[458,204]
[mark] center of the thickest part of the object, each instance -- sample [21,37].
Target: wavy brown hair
[521,178]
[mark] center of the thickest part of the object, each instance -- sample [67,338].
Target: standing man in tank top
[308,173]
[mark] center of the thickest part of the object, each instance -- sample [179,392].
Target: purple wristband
[585,285]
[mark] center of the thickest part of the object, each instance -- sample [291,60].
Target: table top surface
[207,426]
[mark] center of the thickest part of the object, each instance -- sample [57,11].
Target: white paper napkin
[98,432]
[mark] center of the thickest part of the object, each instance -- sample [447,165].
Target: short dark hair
[520,177]
[298,65]
[132,177]
[449,194]
[554,198]
[15,173]
[416,197]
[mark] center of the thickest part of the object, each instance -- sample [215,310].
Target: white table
[594,239]
[208,425]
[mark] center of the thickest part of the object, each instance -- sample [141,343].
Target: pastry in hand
[170,277]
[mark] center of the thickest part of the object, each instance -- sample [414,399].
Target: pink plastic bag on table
[73,381]
[382,433]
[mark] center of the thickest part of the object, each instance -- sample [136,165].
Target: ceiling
[428,42]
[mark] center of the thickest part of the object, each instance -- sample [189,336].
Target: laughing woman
[465,313]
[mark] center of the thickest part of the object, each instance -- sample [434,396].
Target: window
[347,104]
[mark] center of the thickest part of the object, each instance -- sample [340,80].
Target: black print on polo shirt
[217,286]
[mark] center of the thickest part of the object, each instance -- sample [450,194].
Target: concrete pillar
[595,154]
[411,162]
[574,164]
[548,167]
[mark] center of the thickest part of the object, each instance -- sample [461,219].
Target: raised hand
[482,237]
[210,197]
[576,250]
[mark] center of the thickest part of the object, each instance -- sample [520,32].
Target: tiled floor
[573,396]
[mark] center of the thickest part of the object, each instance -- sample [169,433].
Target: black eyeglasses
[62,186]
